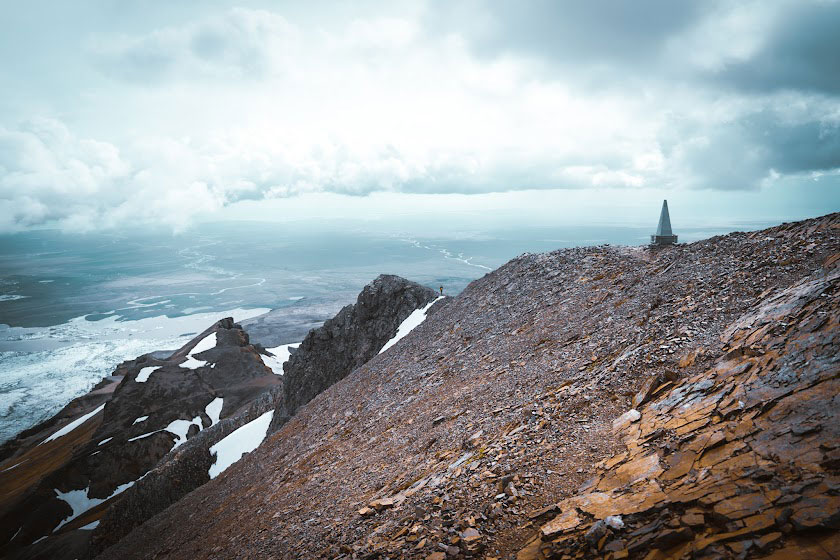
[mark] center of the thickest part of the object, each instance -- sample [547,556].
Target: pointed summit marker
[664,235]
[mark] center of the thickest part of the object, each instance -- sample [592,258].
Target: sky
[162,114]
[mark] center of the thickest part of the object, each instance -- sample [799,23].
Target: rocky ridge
[592,402]
[348,340]
[141,439]
[326,355]
[103,443]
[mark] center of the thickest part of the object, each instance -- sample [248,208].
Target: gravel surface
[501,403]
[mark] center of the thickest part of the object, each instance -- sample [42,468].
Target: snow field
[240,441]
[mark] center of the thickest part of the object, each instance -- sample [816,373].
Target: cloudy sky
[163,113]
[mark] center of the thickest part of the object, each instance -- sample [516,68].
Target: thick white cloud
[47,174]
[249,104]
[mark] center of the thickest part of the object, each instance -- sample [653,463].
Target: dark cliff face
[175,476]
[349,340]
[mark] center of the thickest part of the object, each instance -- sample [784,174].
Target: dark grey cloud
[795,148]
[742,153]
[656,47]
[596,31]
[629,42]
[801,52]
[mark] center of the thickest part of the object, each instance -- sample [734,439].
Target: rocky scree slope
[591,402]
[142,439]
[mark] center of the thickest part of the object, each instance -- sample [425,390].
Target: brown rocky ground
[489,429]
[741,458]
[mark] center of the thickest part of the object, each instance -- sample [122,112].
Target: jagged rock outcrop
[328,353]
[103,443]
[501,423]
[175,476]
[147,432]
[348,340]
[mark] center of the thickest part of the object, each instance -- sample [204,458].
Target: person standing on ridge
[441,290]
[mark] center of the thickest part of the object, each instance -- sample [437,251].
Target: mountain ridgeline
[596,402]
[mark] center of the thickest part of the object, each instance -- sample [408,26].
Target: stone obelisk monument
[664,235]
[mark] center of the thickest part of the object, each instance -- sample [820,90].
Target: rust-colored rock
[563,522]
[748,443]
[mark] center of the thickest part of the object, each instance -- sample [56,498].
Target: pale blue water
[72,307]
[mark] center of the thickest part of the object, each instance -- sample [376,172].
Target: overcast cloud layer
[115,113]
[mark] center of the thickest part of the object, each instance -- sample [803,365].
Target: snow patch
[204,344]
[104,441]
[141,419]
[179,429]
[74,424]
[240,441]
[144,374]
[411,322]
[192,363]
[135,438]
[79,501]
[214,410]
[282,354]
[15,465]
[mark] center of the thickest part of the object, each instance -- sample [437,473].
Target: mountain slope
[163,425]
[740,458]
[464,437]
[327,354]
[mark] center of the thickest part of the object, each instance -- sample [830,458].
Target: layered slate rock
[76,466]
[739,460]
[348,340]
